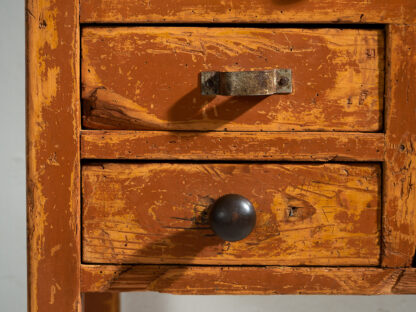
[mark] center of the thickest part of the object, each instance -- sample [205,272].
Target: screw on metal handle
[232,217]
[246,83]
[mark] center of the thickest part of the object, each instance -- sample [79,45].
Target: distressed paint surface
[53,185]
[53,151]
[305,146]
[157,213]
[399,218]
[147,78]
[268,11]
[248,280]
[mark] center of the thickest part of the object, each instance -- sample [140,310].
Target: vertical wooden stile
[53,190]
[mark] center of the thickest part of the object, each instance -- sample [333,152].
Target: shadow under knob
[232,217]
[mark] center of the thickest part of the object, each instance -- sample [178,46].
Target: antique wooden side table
[219,147]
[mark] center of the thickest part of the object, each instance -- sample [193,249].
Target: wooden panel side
[101,302]
[157,213]
[303,146]
[53,190]
[399,218]
[247,280]
[269,11]
[147,78]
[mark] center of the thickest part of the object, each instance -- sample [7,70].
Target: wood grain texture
[101,302]
[305,146]
[268,11]
[147,78]
[406,283]
[157,213]
[53,164]
[248,280]
[399,218]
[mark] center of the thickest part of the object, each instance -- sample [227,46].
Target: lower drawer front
[307,214]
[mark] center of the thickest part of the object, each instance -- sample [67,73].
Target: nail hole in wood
[293,211]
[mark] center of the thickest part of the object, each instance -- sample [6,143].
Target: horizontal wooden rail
[271,11]
[247,280]
[257,146]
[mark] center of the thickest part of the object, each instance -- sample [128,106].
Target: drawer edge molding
[277,146]
[247,280]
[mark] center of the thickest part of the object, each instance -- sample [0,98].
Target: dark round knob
[232,217]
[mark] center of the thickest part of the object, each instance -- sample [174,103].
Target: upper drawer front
[157,213]
[147,78]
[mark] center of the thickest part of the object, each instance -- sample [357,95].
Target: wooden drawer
[307,214]
[146,78]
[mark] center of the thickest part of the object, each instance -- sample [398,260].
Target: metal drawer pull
[232,217]
[243,83]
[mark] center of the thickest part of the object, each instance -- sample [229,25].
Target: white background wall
[12,157]
[13,219]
